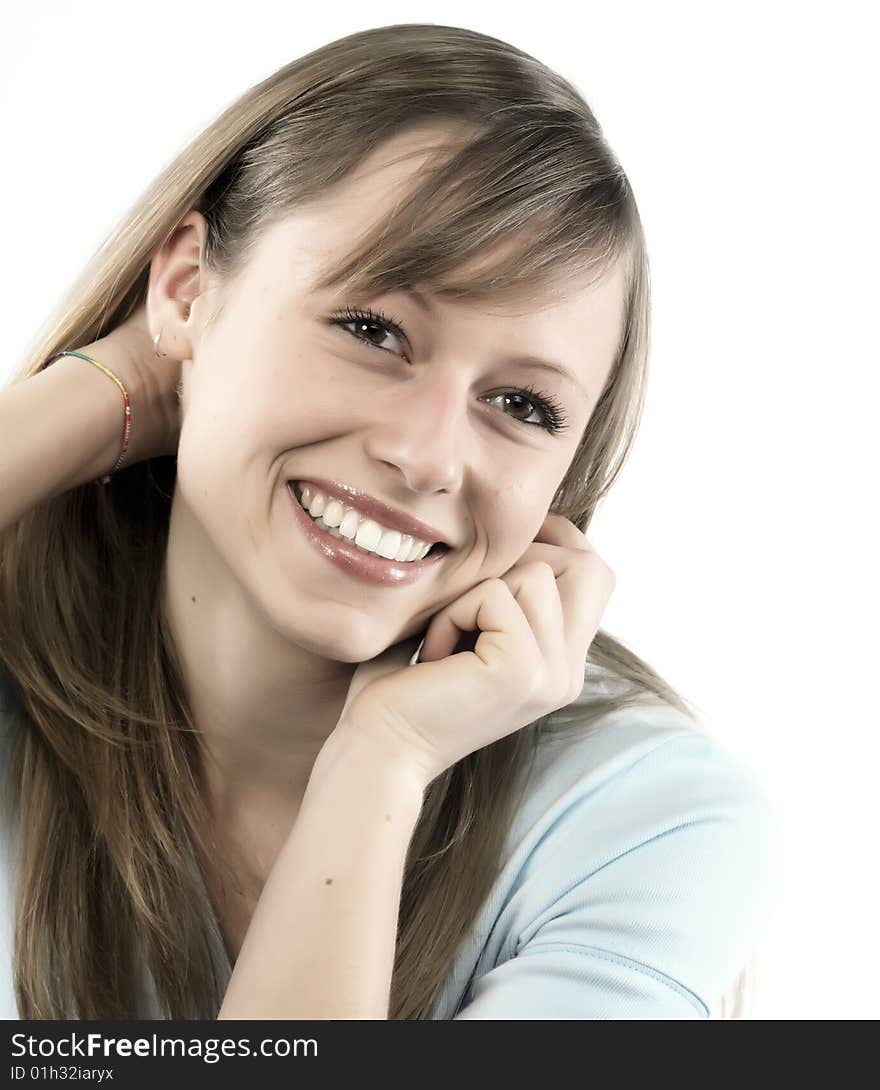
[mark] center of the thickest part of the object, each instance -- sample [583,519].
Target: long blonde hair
[104,761]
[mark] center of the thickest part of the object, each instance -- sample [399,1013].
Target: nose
[421,432]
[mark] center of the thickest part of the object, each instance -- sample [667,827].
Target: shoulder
[641,871]
[639,771]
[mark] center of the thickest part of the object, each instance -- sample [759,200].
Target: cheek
[205,475]
[216,435]
[508,527]
[227,411]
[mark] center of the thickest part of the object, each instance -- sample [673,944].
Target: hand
[534,626]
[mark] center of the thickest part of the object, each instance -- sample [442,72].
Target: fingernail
[414,661]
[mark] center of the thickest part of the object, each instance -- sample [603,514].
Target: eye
[553,414]
[362,318]
[552,411]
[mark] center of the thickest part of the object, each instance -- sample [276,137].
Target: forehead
[574,323]
[332,224]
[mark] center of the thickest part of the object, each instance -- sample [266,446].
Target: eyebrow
[548,365]
[534,362]
[423,301]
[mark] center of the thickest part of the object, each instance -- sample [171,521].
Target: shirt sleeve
[646,898]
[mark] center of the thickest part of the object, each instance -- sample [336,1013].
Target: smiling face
[428,414]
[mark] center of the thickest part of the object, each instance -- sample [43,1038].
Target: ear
[178,280]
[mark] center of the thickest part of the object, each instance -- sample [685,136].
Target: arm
[322,938]
[60,428]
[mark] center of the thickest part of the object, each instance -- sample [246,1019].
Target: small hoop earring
[156,344]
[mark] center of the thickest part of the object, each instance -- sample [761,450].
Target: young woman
[307,712]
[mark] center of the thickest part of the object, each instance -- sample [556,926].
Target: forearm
[59,428]
[321,942]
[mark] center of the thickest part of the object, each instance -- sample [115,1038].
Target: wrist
[152,431]
[351,744]
[98,403]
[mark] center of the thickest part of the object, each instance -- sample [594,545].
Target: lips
[376,509]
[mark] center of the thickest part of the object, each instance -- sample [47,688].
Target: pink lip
[381,512]
[346,556]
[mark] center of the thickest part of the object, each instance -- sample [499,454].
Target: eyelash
[554,414]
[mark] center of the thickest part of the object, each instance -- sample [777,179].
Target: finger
[534,587]
[558,530]
[490,609]
[562,557]
[585,584]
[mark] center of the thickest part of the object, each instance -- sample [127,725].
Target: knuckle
[537,679]
[541,568]
[594,563]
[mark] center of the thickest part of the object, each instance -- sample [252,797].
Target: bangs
[517,210]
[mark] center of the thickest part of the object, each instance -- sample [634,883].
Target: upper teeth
[344,521]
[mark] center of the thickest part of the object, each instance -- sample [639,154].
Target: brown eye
[362,320]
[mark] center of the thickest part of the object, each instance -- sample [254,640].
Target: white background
[742,530]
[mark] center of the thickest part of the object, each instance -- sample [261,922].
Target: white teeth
[348,526]
[333,513]
[363,532]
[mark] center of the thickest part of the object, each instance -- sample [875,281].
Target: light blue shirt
[638,877]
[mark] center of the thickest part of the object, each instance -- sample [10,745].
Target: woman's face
[280,389]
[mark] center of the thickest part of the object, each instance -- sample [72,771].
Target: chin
[351,647]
